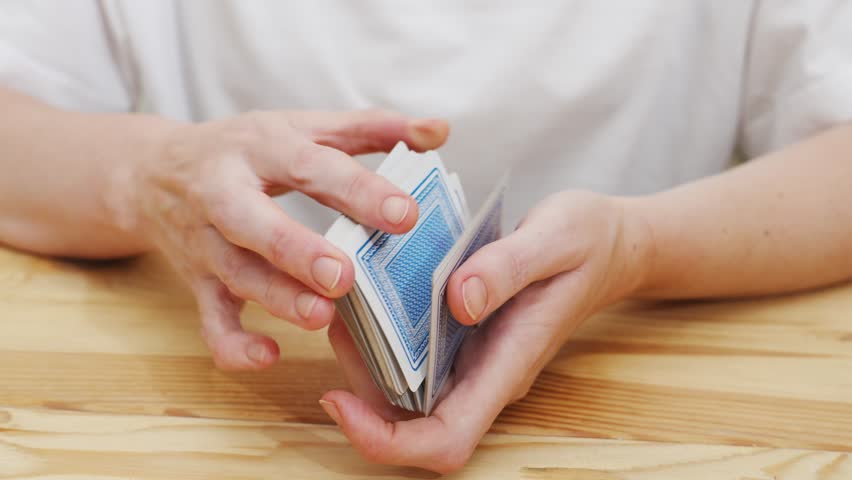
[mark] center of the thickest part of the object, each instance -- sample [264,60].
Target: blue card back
[400,267]
[449,333]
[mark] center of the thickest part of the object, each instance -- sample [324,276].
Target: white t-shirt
[615,96]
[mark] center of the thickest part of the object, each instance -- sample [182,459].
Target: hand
[204,201]
[574,254]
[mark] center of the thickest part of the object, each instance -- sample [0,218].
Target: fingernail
[326,271]
[305,302]
[423,132]
[257,353]
[331,410]
[394,209]
[475,297]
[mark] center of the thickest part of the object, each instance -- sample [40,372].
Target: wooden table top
[103,375]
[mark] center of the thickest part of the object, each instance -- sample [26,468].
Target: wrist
[124,199]
[638,247]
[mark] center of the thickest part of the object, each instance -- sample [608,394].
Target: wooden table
[103,376]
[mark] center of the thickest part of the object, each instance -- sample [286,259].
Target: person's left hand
[573,254]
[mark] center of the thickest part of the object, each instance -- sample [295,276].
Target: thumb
[368,131]
[501,269]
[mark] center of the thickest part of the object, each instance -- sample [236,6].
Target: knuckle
[280,245]
[271,297]
[233,262]
[223,208]
[247,130]
[518,269]
[301,165]
[241,135]
[357,183]
[276,298]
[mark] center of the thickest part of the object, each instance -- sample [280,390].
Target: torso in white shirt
[615,96]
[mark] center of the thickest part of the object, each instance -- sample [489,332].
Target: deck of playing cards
[397,312]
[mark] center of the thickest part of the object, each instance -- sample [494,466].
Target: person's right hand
[204,201]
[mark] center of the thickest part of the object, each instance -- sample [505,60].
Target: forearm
[66,177]
[776,224]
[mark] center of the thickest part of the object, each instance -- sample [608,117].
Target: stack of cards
[397,312]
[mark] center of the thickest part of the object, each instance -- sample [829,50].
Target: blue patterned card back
[400,267]
[450,332]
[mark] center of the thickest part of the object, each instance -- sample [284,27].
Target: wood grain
[49,444]
[122,338]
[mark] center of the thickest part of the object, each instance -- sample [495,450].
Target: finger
[493,363]
[499,270]
[407,443]
[368,131]
[494,367]
[232,348]
[356,374]
[338,181]
[252,220]
[249,276]
[442,442]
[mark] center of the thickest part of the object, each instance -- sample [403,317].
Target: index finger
[368,131]
[336,180]
[340,182]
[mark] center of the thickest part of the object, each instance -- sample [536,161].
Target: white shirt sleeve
[63,53]
[798,73]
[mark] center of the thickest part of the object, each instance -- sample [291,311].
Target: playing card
[392,312]
[446,334]
[394,271]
